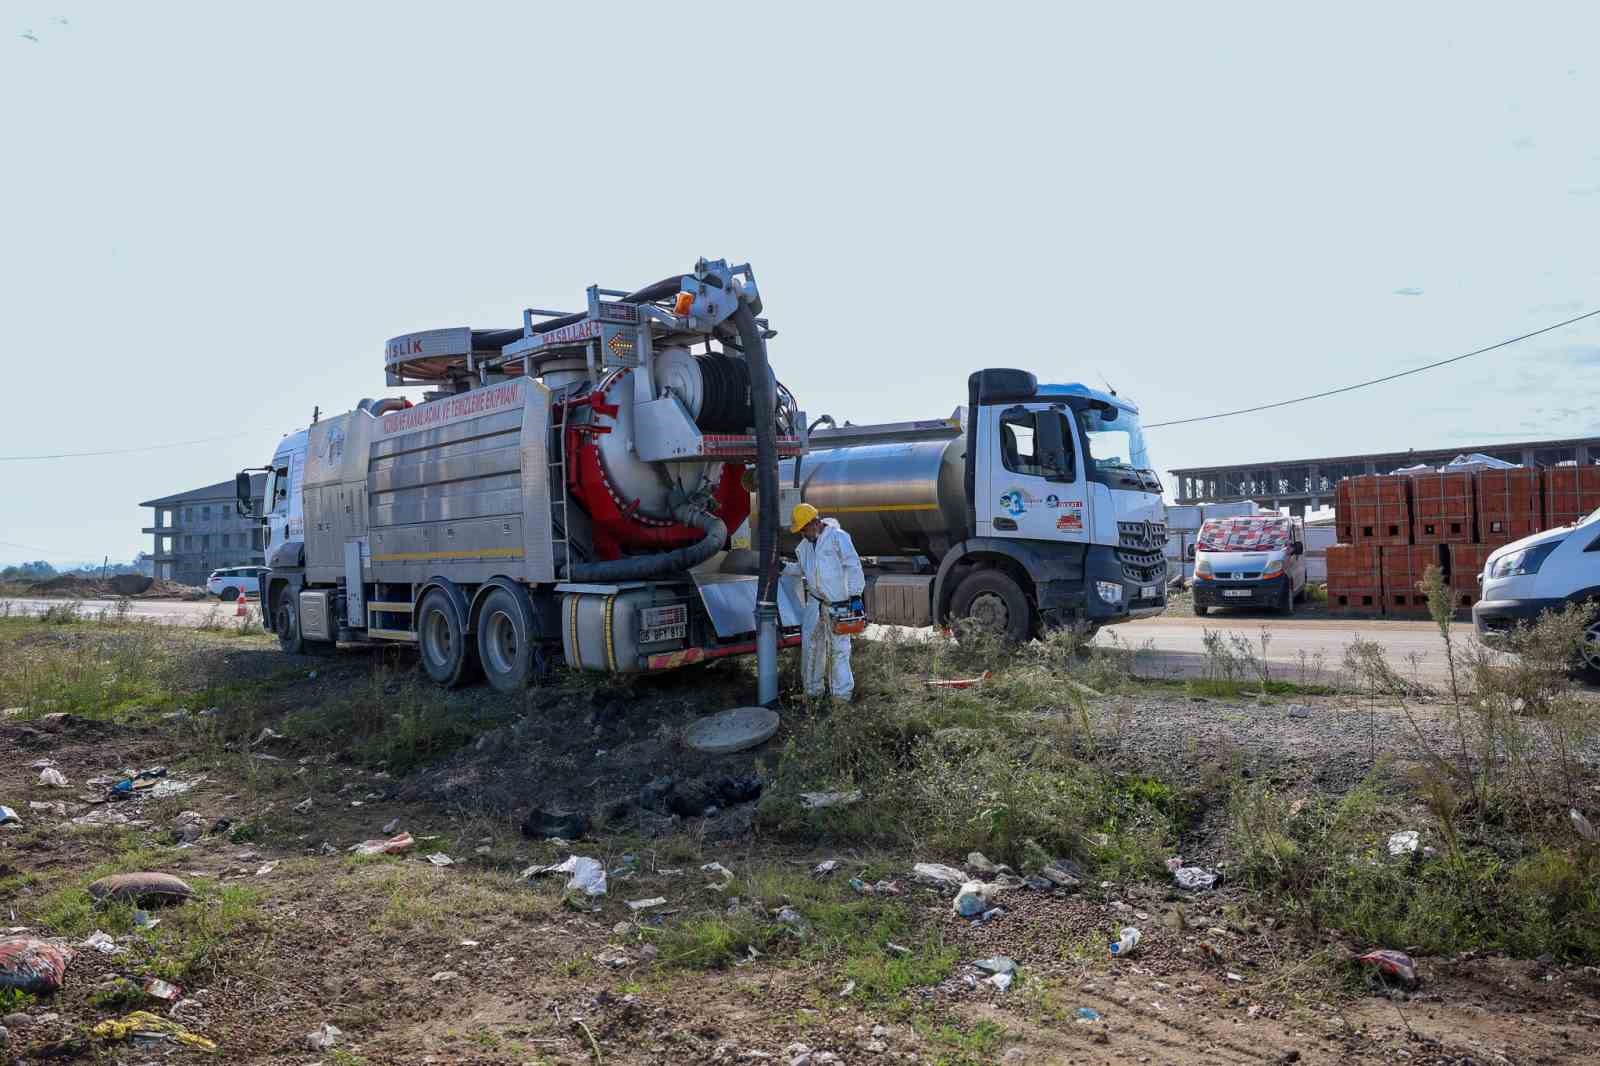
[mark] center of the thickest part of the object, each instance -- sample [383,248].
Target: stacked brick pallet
[1392,527]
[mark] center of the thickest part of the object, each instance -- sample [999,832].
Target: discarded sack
[140,888]
[1396,964]
[938,874]
[32,965]
[972,899]
[1404,842]
[52,777]
[143,1025]
[587,874]
[395,845]
[813,801]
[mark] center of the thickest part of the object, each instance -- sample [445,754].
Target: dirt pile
[133,586]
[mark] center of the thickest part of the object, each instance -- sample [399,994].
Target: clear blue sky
[217,213]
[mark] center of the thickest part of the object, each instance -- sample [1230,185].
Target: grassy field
[1059,758]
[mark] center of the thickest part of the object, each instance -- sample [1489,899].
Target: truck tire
[506,648]
[994,600]
[1201,609]
[445,654]
[229,595]
[286,623]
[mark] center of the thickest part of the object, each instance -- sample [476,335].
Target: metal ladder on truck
[560,505]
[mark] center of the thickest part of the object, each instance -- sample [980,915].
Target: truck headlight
[1273,568]
[1110,591]
[1526,561]
[1202,570]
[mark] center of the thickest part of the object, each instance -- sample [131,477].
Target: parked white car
[1249,561]
[228,583]
[1543,572]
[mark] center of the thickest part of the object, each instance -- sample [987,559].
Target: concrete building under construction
[1304,485]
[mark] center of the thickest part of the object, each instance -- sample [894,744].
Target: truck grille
[1145,536]
[1142,566]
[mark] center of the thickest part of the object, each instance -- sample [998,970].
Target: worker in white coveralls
[831,570]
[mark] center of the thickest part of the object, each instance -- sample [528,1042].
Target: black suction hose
[640,567]
[764,410]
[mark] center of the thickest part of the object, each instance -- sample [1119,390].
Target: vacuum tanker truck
[1034,506]
[568,484]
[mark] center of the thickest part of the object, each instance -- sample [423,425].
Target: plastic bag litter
[143,1024]
[165,991]
[825,867]
[587,874]
[720,870]
[646,904]
[32,965]
[52,777]
[101,941]
[1127,943]
[1195,878]
[1404,842]
[395,845]
[939,874]
[816,800]
[1579,823]
[439,858]
[1396,964]
[972,899]
[1001,981]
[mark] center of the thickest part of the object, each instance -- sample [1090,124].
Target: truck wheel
[229,595]
[286,623]
[1201,610]
[445,655]
[994,601]
[505,647]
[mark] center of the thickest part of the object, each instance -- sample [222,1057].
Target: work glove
[858,605]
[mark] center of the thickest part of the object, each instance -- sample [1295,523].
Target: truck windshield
[1115,445]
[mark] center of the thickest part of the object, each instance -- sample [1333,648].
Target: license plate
[663,623]
[1240,593]
[1148,592]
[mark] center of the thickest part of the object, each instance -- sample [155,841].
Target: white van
[1249,561]
[1542,572]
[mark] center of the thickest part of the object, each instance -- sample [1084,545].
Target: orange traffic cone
[241,611]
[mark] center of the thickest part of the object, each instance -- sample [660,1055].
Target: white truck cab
[1249,561]
[1543,572]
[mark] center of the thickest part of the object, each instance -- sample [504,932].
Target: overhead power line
[121,451]
[1374,381]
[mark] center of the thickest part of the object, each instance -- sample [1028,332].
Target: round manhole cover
[735,730]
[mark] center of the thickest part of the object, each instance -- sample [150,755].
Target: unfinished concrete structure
[1307,484]
[197,531]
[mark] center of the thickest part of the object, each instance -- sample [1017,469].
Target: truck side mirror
[241,493]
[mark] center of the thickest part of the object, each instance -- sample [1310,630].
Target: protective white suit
[831,569]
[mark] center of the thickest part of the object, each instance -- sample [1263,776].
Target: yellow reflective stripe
[611,648]
[476,553]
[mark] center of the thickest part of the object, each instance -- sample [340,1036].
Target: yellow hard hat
[804,514]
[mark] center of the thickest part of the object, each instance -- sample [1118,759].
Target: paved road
[1175,645]
[1168,645]
[176,612]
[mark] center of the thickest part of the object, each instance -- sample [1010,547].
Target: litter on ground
[143,1025]
[588,875]
[813,801]
[1404,842]
[395,845]
[143,887]
[1396,964]
[32,965]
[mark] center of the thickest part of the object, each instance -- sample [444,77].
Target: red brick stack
[1466,563]
[1392,527]
[1570,493]
[1355,583]
[1379,509]
[1508,505]
[1403,568]
[1442,509]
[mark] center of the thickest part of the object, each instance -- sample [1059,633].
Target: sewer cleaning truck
[1034,506]
[568,484]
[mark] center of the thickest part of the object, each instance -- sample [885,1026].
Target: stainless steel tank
[902,498]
